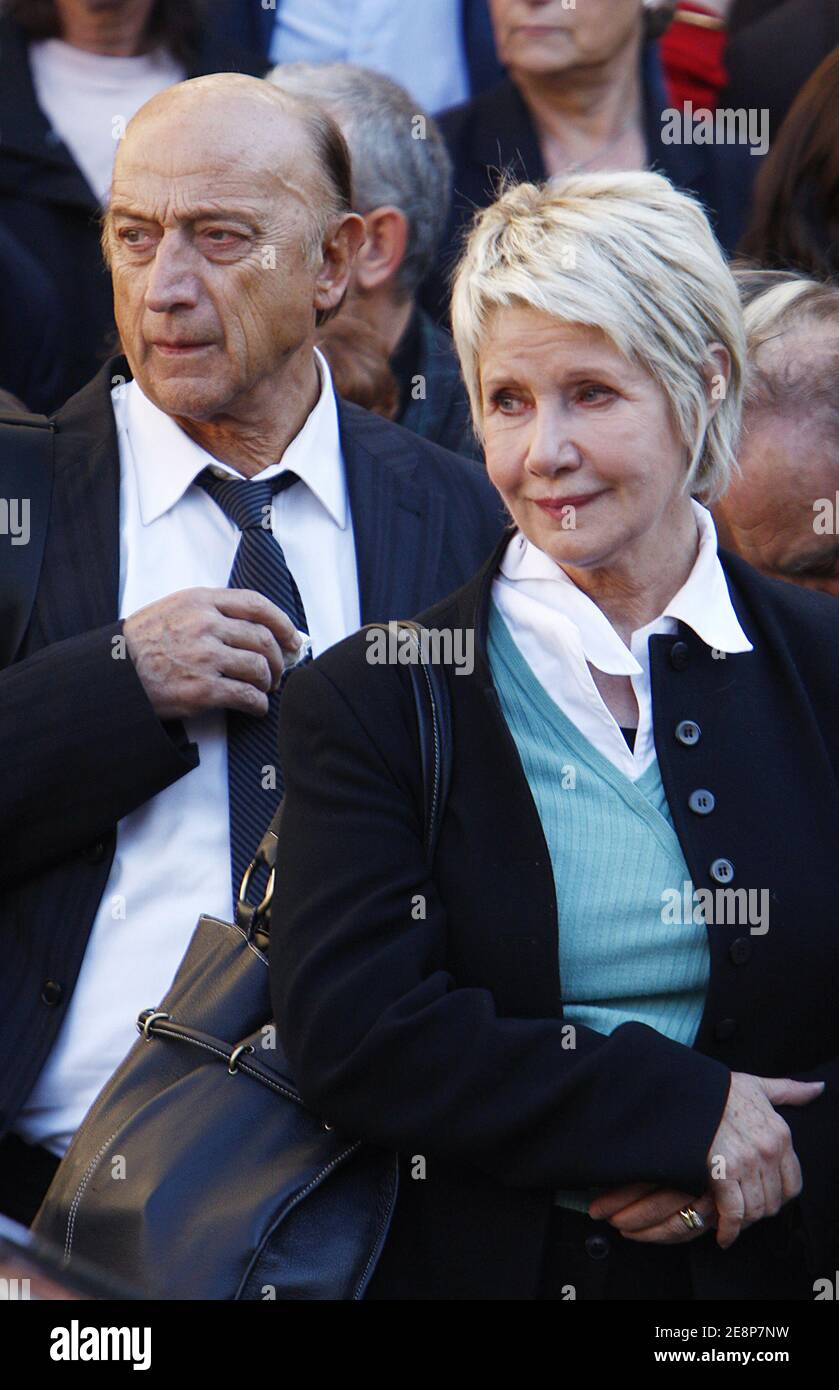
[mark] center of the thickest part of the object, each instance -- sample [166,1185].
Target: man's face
[768,512]
[210,238]
[544,36]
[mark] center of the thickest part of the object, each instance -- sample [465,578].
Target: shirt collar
[703,602]
[168,461]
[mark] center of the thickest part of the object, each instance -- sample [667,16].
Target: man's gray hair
[398,155]
[792,336]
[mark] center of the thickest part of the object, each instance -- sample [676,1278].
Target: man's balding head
[229,235]
[244,116]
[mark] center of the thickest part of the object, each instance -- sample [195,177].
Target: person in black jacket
[583,91]
[212,501]
[601,1029]
[55,56]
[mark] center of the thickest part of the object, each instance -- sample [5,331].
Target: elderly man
[401,175]
[141,714]
[780,514]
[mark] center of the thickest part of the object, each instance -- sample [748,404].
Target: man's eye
[220,236]
[133,235]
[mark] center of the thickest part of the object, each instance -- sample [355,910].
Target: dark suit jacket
[441,1035]
[80,744]
[46,202]
[443,416]
[769,61]
[495,132]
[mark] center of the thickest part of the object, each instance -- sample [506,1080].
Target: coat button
[51,992]
[688,733]
[722,871]
[597,1247]
[740,950]
[725,1029]
[702,802]
[679,655]
[95,853]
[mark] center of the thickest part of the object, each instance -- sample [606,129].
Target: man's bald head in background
[229,236]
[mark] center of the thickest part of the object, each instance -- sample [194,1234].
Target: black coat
[495,131]
[80,744]
[443,416]
[46,202]
[769,61]
[30,328]
[442,1037]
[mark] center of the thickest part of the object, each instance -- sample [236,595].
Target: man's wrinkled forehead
[180,160]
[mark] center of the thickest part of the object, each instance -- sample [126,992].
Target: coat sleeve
[815,1138]
[385,1044]
[80,747]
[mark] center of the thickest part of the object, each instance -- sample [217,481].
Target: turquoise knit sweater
[614,852]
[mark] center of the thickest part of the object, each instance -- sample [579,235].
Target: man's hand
[203,649]
[752,1166]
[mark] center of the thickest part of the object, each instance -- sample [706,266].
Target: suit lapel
[397,521]
[80,577]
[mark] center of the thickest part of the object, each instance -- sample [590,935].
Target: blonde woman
[598,1029]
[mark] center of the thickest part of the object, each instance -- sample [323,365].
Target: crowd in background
[73,72]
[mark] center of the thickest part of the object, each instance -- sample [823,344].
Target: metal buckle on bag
[146,1019]
[259,910]
[235,1055]
[255,918]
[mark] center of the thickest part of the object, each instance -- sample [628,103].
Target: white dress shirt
[559,631]
[172,858]
[418,46]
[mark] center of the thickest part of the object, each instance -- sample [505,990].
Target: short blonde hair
[628,254]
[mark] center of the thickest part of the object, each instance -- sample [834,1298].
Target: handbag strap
[434,725]
[26,472]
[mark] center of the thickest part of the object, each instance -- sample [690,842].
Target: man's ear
[339,253]
[717,374]
[384,248]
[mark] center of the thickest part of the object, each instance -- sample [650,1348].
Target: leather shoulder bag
[198,1172]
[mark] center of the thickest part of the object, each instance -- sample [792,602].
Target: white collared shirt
[172,859]
[559,630]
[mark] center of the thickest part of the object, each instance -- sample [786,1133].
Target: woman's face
[544,36]
[580,443]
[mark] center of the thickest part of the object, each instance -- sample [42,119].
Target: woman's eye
[506,402]
[594,393]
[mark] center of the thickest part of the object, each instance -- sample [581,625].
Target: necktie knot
[247,502]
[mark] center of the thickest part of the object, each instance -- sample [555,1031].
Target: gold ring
[691,1218]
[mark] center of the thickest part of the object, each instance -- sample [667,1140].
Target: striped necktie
[255,779]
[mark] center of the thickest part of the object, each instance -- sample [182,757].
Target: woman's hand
[752,1166]
[751,1162]
[643,1212]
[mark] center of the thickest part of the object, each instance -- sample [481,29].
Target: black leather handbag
[198,1172]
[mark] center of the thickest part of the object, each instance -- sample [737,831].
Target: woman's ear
[717,374]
